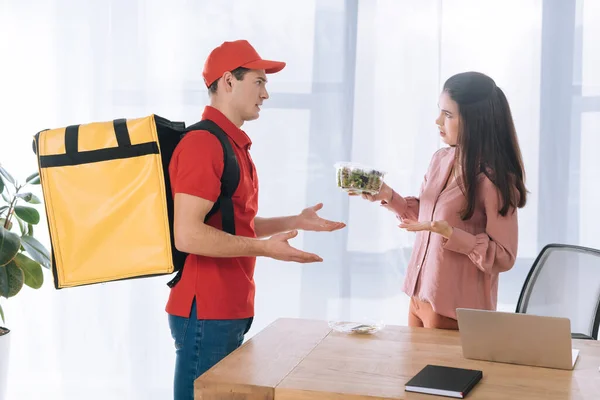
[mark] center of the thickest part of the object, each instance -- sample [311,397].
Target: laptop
[515,338]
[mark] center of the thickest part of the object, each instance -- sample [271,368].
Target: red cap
[231,55]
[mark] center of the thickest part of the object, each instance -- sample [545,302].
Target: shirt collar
[236,134]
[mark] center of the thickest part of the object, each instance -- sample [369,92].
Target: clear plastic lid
[358,178]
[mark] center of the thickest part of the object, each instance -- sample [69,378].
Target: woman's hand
[385,194]
[439,227]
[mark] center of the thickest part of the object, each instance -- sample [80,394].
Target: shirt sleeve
[496,248]
[197,166]
[408,207]
[404,207]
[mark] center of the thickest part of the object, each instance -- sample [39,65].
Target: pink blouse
[460,272]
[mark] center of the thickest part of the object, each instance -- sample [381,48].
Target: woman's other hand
[439,227]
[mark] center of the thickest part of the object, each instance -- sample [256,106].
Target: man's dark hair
[238,73]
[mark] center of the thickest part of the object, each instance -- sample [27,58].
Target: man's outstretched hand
[309,220]
[277,247]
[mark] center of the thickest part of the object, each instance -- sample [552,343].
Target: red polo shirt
[223,287]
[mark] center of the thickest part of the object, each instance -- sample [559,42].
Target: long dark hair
[487,141]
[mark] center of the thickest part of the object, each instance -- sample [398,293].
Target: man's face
[248,94]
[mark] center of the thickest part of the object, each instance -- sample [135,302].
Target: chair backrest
[564,281]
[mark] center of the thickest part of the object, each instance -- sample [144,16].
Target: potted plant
[21,254]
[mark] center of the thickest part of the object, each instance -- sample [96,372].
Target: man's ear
[228,81]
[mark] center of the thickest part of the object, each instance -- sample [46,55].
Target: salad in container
[358,178]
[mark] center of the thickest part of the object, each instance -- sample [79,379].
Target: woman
[466,214]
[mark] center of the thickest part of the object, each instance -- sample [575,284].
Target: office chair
[564,281]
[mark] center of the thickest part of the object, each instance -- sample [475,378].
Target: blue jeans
[200,344]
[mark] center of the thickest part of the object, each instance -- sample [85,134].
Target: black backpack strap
[230,178]
[229,182]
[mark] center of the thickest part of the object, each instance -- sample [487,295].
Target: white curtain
[362,84]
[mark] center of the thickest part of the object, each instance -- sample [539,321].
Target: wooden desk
[295,359]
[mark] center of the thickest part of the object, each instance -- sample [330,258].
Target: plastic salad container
[357,178]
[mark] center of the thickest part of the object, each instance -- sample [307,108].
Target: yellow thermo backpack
[108,200]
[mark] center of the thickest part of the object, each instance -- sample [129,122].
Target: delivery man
[212,305]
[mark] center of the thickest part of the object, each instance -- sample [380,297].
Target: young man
[211,307]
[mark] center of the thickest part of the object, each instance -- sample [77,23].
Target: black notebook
[444,381]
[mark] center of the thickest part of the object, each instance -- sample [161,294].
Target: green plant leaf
[5,197]
[29,197]
[33,179]
[30,229]
[3,223]
[9,245]
[32,271]
[1,185]
[36,250]
[11,280]
[6,175]
[22,226]
[2,315]
[28,214]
